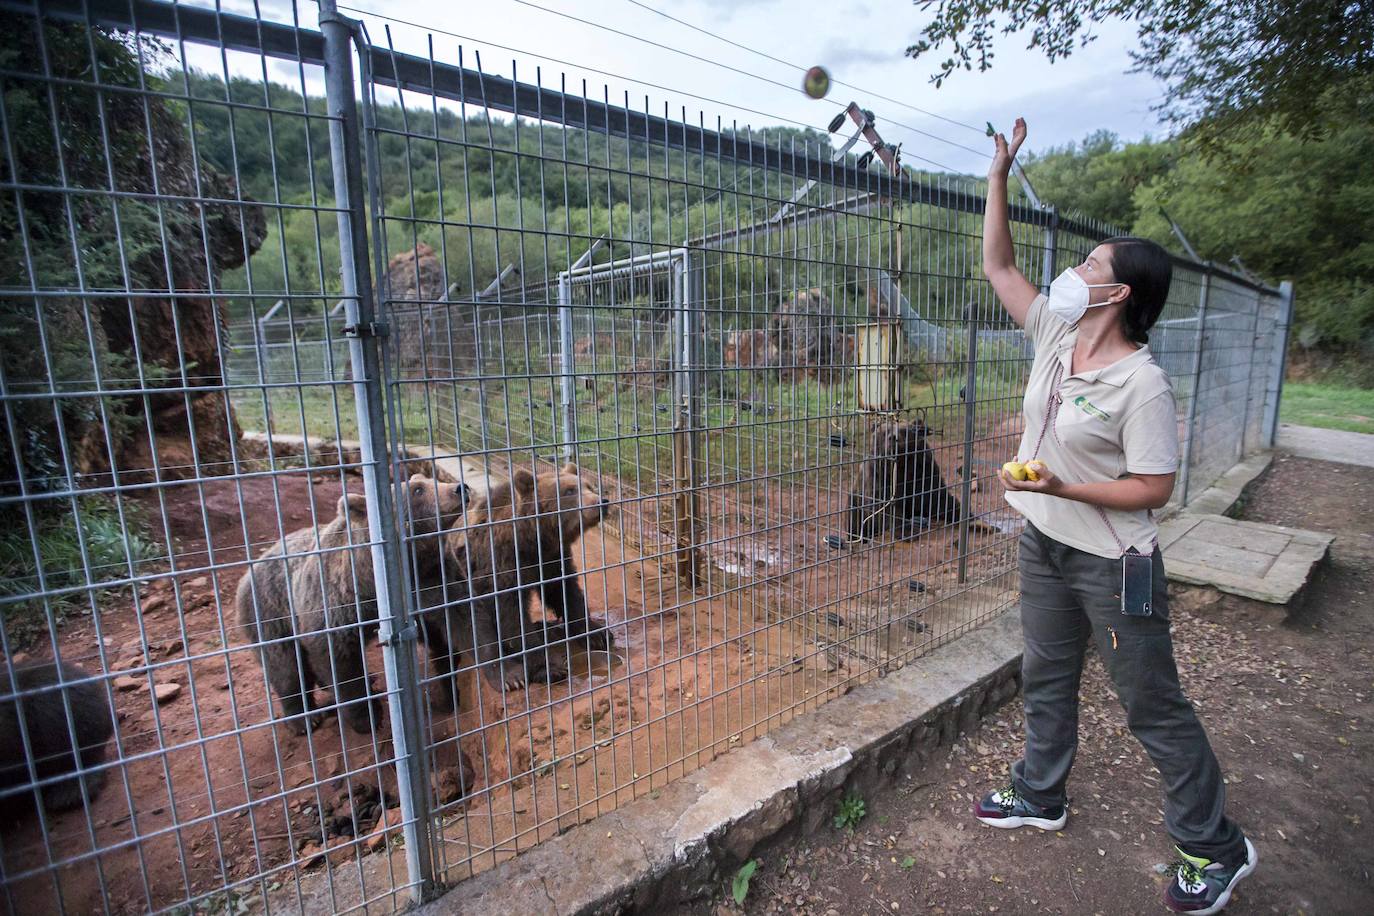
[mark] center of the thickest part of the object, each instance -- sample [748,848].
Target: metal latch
[409,633]
[371,329]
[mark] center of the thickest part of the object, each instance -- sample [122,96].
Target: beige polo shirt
[1111,423]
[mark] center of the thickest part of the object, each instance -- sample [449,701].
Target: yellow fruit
[1015,470]
[1034,469]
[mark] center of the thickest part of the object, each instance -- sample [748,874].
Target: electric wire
[788,63]
[620,76]
[737,70]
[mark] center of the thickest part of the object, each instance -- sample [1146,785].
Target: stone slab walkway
[1265,562]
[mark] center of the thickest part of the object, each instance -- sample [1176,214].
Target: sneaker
[1006,809]
[1201,886]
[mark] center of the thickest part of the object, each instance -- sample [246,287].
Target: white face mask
[1069,296]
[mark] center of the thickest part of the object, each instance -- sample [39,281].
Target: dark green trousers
[1067,596]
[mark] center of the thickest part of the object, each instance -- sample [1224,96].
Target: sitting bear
[310,607]
[515,541]
[50,733]
[899,485]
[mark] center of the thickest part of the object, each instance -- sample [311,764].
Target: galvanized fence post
[970,428]
[1198,343]
[364,331]
[565,355]
[1051,250]
[686,411]
[1279,363]
[1249,384]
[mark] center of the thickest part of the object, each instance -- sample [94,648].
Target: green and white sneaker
[1006,809]
[1201,887]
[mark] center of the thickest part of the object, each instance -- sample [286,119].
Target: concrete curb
[655,852]
[1229,488]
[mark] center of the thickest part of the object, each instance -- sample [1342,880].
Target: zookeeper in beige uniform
[1100,418]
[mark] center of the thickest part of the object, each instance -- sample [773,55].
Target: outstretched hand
[1004,154]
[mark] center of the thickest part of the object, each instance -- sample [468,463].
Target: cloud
[725,9]
[840,53]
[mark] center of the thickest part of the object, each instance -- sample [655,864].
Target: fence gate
[401,463]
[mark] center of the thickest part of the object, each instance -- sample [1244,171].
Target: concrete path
[1326,444]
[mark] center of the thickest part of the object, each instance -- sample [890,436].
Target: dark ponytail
[1147,269]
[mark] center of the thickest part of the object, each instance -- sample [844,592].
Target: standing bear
[310,607]
[515,541]
[899,485]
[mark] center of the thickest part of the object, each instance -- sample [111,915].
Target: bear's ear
[570,468]
[522,480]
[353,503]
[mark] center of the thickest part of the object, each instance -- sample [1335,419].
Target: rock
[166,692]
[310,854]
[127,683]
[199,582]
[153,605]
[384,828]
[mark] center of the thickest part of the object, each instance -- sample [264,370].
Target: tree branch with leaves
[1304,66]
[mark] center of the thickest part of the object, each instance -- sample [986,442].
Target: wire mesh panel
[174,389]
[404,462]
[776,404]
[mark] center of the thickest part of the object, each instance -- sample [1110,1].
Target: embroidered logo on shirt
[1091,409]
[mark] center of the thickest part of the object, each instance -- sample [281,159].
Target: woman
[1100,417]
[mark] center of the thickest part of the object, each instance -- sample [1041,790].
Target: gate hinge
[371,329]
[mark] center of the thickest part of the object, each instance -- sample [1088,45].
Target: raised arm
[999,259]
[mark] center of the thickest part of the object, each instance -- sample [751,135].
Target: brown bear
[899,486]
[517,540]
[310,608]
[41,688]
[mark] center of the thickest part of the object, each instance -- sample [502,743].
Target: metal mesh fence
[402,467]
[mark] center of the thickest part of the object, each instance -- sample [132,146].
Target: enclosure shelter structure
[281,288]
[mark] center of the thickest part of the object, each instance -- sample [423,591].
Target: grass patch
[111,545]
[1328,406]
[752,423]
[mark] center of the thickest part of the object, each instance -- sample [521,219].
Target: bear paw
[599,634]
[513,675]
[549,671]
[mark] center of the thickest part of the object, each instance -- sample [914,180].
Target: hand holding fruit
[1033,476]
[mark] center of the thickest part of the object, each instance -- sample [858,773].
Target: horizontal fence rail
[404,463]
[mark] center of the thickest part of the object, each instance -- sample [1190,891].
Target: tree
[1301,211]
[1099,176]
[1302,64]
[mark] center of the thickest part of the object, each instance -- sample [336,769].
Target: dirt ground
[211,794]
[1287,703]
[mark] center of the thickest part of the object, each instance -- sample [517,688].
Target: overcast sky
[861,44]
